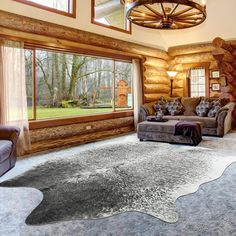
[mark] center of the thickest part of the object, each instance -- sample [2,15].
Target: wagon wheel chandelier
[166,14]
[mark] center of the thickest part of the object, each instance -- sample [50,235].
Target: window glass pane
[201,94]
[29,75]
[111,13]
[123,90]
[70,84]
[202,88]
[193,73]
[95,86]
[198,82]
[61,5]
[194,91]
[201,80]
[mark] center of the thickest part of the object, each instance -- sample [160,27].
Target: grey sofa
[216,126]
[8,139]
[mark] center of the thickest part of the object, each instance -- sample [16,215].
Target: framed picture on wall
[215,74]
[215,87]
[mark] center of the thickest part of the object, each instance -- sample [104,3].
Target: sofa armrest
[9,133]
[221,111]
[221,122]
[224,119]
[143,113]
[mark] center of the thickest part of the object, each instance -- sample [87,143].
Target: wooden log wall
[225,55]
[185,57]
[49,35]
[74,134]
[87,40]
[155,79]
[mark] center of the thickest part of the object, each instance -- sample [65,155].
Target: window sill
[39,124]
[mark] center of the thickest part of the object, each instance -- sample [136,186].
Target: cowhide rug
[137,176]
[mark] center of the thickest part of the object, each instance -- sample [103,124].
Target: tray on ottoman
[165,132]
[154,119]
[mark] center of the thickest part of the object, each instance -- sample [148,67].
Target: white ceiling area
[220,22]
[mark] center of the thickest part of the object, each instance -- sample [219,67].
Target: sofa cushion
[160,106]
[216,106]
[150,108]
[5,149]
[159,127]
[222,101]
[208,122]
[190,105]
[203,108]
[175,107]
[213,111]
[217,102]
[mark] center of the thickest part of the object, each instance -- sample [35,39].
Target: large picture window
[65,84]
[110,14]
[65,7]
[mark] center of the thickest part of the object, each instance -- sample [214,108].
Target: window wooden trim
[80,51]
[46,123]
[64,13]
[108,26]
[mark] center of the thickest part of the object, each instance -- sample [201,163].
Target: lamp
[172,75]
[166,14]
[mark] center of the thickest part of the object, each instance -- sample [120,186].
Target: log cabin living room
[117,117]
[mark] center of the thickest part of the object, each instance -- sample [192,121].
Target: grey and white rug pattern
[146,177]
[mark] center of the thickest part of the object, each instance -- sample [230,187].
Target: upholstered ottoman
[165,132]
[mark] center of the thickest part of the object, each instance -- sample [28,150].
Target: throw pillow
[190,105]
[150,109]
[175,108]
[222,101]
[203,108]
[213,111]
[216,105]
[161,105]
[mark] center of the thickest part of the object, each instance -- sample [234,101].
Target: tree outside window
[68,84]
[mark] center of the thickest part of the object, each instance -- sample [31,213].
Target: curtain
[138,93]
[13,98]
